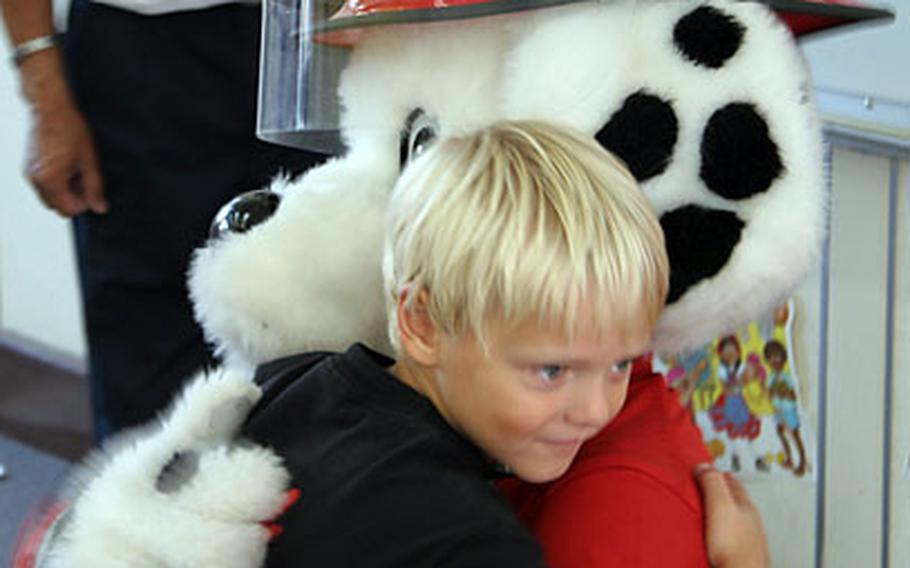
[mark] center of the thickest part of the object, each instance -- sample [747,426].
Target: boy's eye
[622,366]
[551,373]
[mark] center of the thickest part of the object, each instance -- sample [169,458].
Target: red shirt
[629,499]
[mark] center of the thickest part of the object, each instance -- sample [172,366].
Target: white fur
[577,64]
[120,519]
[299,281]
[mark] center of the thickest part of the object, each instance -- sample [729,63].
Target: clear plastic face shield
[306,45]
[298,76]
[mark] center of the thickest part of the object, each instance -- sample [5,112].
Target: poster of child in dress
[743,392]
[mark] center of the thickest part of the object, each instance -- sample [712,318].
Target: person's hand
[61,162]
[734,532]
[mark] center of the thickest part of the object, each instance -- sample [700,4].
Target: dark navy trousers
[171,103]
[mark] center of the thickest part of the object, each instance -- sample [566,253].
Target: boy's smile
[533,397]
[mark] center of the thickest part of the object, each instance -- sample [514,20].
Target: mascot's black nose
[244,212]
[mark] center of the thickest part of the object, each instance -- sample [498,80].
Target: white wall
[844,341]
[38,286]
[900,466]
[856,362]
[870,60]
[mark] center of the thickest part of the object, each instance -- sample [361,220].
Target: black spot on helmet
[708,37]
[738,157]
[643,134]
[700,242]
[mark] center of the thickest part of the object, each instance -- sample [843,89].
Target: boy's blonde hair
[519,220]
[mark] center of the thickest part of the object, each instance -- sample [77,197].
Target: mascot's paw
[182,493]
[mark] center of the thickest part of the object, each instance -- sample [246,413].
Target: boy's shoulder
[315,389]
[275,376]
[319,406]
[375,465]
[395,517]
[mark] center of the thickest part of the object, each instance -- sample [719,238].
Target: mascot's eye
[421,140]
[419,133]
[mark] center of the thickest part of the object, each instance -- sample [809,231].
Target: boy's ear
[419,336]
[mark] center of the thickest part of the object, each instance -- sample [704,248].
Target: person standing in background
[143,125]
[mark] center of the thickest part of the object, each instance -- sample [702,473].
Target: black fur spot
[738,157]
[182,468]
[707,36]
[699,244]
[642,133]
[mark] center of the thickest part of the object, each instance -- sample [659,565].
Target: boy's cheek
[617,400]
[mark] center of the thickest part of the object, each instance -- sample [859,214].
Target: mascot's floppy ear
[709,104]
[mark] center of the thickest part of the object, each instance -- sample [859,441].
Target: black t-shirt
[384,480]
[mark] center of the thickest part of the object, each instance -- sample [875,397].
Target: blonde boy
[524,272]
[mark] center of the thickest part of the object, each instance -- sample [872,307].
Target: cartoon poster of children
[743,392]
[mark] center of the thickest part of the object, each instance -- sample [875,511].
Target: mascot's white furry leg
[184,493]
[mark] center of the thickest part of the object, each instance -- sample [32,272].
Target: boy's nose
[593,407]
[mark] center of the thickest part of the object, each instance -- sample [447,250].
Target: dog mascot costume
[707,101]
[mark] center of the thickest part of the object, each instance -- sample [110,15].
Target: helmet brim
[806,17]
[803,17]
[344,27]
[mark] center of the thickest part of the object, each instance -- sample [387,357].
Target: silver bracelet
[32,46]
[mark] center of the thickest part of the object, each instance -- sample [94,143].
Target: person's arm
[61,162]
[625,517]
[616,517]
